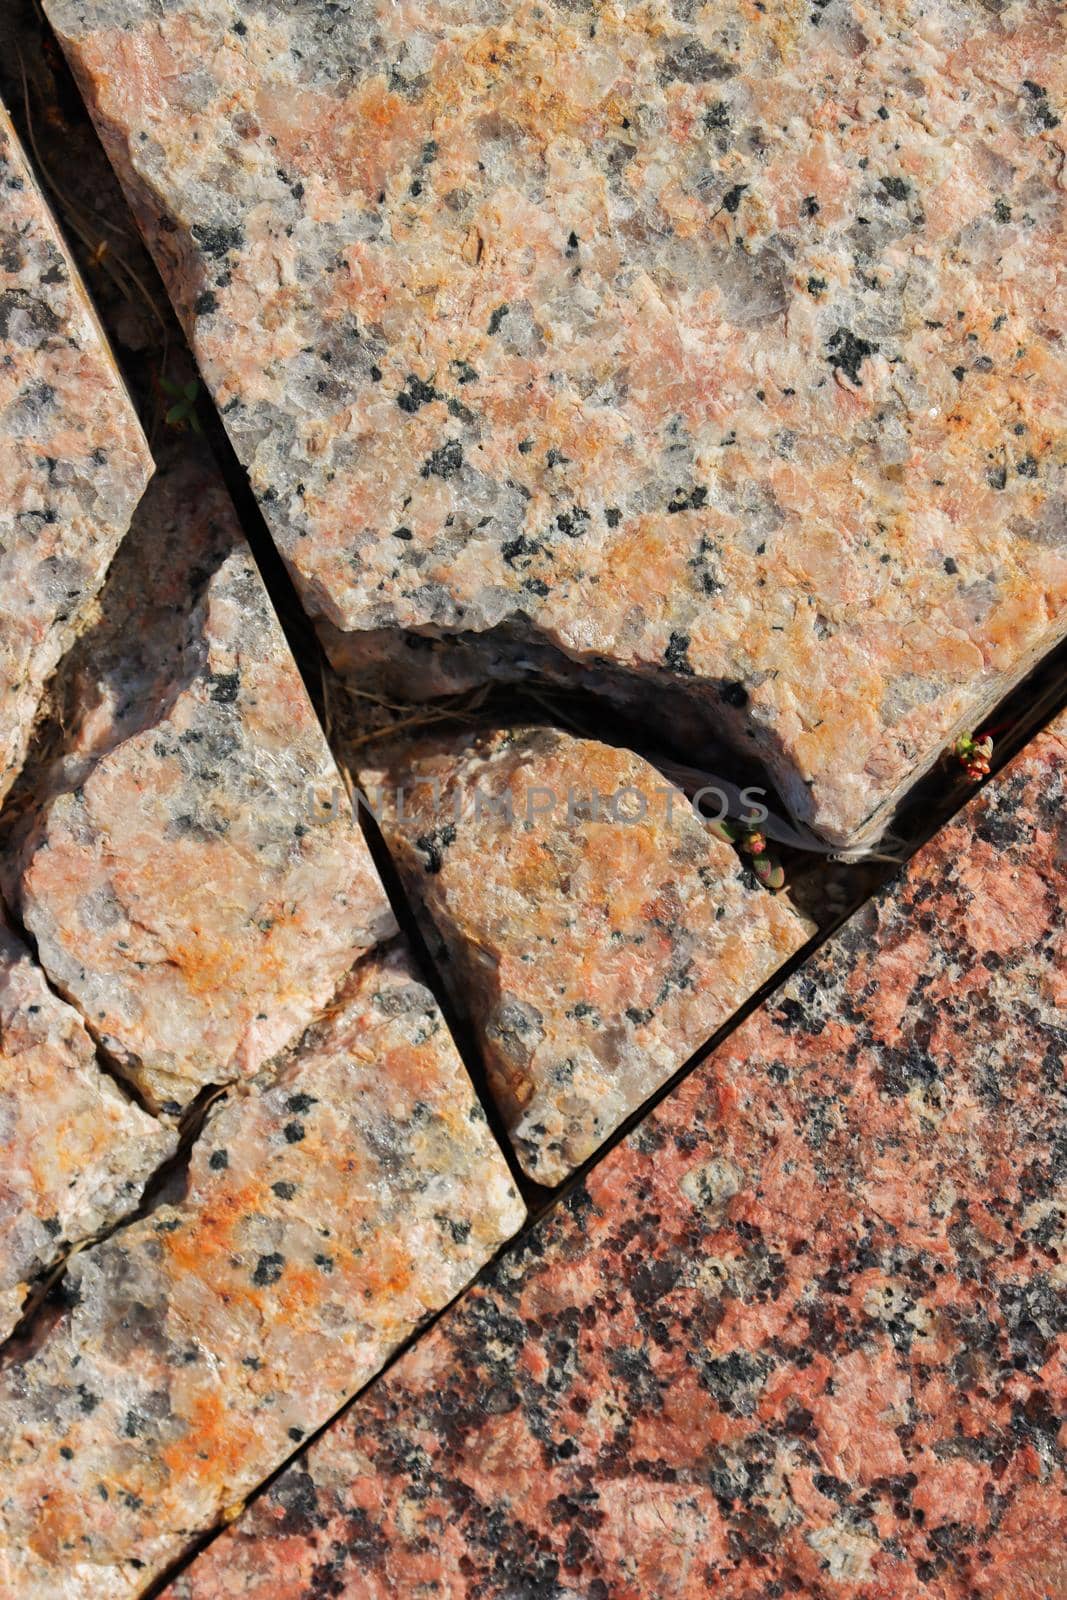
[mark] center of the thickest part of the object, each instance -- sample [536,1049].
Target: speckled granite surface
[802,1334]
[720,345]
[73,460]
[586,921]
[75,1153]
[331,1205]
[187,862]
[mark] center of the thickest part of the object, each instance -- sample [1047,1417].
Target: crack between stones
[459,1028]
[165,1185]
[45,1302]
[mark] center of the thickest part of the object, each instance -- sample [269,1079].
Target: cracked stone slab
[73,459]
[331,1205]
[185,856]
[711,347]
[802,1333]
[76,1154]
[587,922]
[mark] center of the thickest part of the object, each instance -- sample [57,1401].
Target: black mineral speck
[219,238]
[676,654]
[417,392]
[433,846]
[445,461]
[268,1269]
[847,353]
[223,687]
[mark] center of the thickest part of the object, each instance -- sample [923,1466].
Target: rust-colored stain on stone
[330,1206]
[716,348]
[587,922]
[73,460]
[802,1334]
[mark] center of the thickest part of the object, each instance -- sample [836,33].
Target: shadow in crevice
[139,649]
[463,1034]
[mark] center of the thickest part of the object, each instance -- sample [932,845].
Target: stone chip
[185,854]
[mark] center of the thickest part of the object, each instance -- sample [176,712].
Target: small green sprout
[753,842]
[182,412]
[721,829]
[770,872]
[974,755]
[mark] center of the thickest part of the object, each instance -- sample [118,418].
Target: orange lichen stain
[298,1289]
[207,966]
[212,1237]
[215,1445]
[56,1525]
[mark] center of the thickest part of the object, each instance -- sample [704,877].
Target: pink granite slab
[713,347]
[73,460]
[331,1205]
[586,921]
[185,856]
[74,1153]
[803,1333]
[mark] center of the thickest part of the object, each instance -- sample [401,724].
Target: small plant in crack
[753,843]
[181,412]
[974,755]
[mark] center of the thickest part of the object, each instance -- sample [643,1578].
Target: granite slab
[74,1153]
[184,852]
[73,459]
[803,1333]
[716,347]
[330,1206]
[585,919]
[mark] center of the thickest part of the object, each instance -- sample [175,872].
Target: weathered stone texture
[718,346]
[188,863]
[74,1155]
[802,1333]
[73,460]
[331,1205]
[588,923]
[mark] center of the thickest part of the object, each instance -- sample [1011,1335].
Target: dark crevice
[463,1035]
